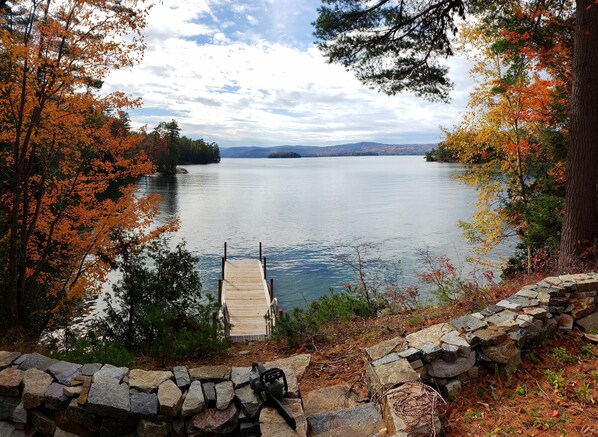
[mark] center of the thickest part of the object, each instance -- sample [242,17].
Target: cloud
[248,74]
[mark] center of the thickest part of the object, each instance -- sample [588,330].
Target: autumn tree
[397,46]
[64,149]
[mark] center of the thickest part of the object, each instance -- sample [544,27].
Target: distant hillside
[355,149]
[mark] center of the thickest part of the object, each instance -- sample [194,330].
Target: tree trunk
[580,225]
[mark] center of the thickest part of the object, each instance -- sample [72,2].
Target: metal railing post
[265,271]
[219,291]
[225,250]
[260,250]
[271,289]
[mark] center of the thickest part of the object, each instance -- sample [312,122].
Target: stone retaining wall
[43,396]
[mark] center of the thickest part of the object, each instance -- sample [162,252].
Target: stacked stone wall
[47,397]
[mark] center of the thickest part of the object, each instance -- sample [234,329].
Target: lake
[308,211]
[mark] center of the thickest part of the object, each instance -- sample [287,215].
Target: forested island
[284,155]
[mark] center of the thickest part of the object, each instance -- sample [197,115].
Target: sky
[247,73]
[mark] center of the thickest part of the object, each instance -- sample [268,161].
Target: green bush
[92,350]
[318,321]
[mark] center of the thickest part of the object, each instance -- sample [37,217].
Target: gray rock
[249,429]
[72,392]
[392,373]
[210,373]
[10,382]
[19,415]
[524,320]
[442,369]
[431,352]
[504,319]
[35,361]
[90,369]
[35,384]
[209,394]
[62,433]
[7,358]
[537,312]
[109,399]
[7,429]
[110,374]
[240,376]
[194,401]
[8,404]
[386,359]
[454,339]
[64,372]
[411,354]
[170,398]
[147,381]
[529,292]
[250,403]
[328,399]
[212,422]
[589,323]
[490,310]
[365,416]
[450,353]
[416,364]
[145,428]
[428,335]
[295,364]
[490,336]
[144,405]
[80,415]
[452,389]
[384,348]
[181,377]
[468,323]
[272,425]
[225,392]
[54,398]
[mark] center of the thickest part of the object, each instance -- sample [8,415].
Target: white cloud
[241,85]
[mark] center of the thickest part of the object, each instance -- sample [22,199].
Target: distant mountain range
[355,149]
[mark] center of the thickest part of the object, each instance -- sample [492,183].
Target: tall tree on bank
[396,45]
[63,150]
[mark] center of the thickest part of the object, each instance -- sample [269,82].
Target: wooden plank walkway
[246,299]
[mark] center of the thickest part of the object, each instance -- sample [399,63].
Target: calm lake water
[306,211]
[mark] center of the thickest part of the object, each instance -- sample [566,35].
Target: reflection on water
[304,210]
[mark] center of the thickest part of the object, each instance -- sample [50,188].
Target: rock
[109,399]
[384,348]
[144,405]
[428,335]
[178,427]
[583,281]
[468,323]
[250,403]
[392,373]
[240,376]
[90,369]
[416,364]
[210,373]
[19,415]
[408,395]
[10,382]
[565,322]
[82,400]
[210,422]
[361,420]
[452,389]
[273,425]
[111,374]
[64,372]
[295,364]
[386,359]
[589,323]
[225,393]
[7,358]
[454,339]
[145,428]
[529,292]
[42,423]
[80,415]
[537,312]
[181,377]
[491,310]
[62,433]
[7,429]
[118,427]
[501,353]
[411,354]
[72,392]
[524,320]
[337,397]
[35,361]
[8,404]
[194,401]
[35,384]
[249,429]
[450,353]
[504,319]
[170,398]
[490,336]
[147,381]
[209,394]
[54,398]
[430,352]
[442,369]
[582,307]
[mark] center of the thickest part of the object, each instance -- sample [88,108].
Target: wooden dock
[249,308]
